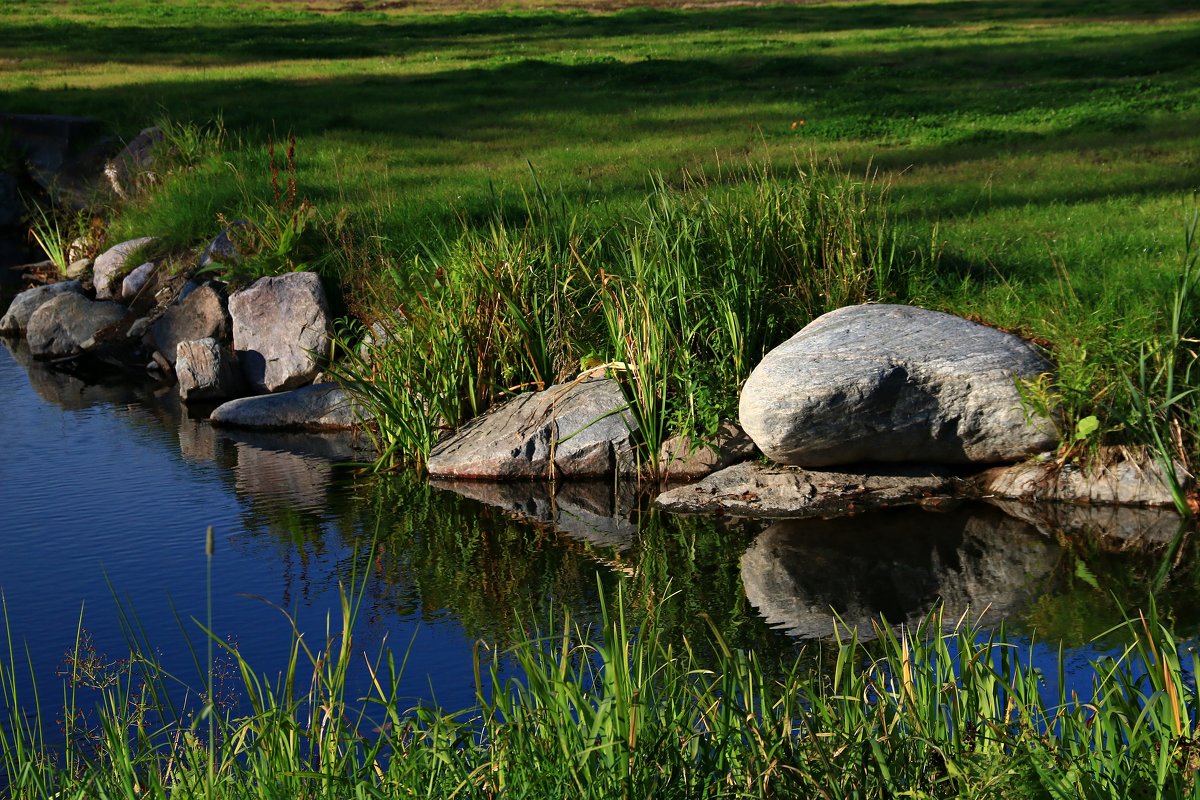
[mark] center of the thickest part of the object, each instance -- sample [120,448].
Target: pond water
[106,493]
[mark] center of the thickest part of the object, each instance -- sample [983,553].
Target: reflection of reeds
[628,711]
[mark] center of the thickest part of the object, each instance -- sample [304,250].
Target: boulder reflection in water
[799,574]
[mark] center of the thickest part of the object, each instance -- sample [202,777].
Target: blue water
[105,495]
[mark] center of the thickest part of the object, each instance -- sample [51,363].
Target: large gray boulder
[279,323]
[16,319]
[111,263]
[200,314]
[894,383]
[61,327]
[206,370]
[323,406]
[758,490]
[576,430]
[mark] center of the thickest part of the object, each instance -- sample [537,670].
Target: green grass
[1039,157]
[625,710]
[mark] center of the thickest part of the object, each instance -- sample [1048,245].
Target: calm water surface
[106,492]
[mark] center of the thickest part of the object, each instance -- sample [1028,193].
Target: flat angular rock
[814,577]
[200,314]
[16,319]
[277,322]
[323,406]
[680,459]
[207,371]
[1116,477]
[755,490]
[894,383]
[572,430]
[62,326]
[111,263]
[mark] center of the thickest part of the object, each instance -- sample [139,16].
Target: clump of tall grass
[682,295]
[631,711]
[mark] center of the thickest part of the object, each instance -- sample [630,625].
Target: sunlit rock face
[804,575]
[894,383]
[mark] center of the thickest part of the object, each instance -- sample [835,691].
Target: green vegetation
[1037,160]
[624,711]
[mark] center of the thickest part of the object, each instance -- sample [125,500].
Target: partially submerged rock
[111,263]
[581,429]
[63,325]
[681,459]
[280,329]
[756,490]
[894,383]
[1115,476]
[319,407]
[16,319]
[207,371]
[812,577]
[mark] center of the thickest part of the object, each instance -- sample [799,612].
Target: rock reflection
[70,393]
[1112,527]
[799,574]
[594,512]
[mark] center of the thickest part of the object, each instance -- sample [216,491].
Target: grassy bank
[1028,164]
[624,712]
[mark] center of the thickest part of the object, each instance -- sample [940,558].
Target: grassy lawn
[1041,156]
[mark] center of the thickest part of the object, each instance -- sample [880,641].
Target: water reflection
[802,575]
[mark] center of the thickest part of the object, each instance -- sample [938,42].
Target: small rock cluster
[265,340]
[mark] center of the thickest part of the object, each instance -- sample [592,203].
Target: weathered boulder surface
[323,406]
[755,490]
[600,513]
[200,313]
[133,166]
[16,319]
[278,323]
[207,371]
[1116,476]
[680,459]
[61,326]
[581,429]
[894,383]
[804,575]
[225,248]
[111,263]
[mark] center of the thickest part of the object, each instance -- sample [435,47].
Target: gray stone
[11,207]
[207,371]
[681,459]
[133,167]
[581,429]
[1115,476]
[76,268]
[226,248]
[755,490]
[200,314]
[599,513]
[814,577]
[323,406]
[111,263]
[279,323]
[16,320]
[61,326]
[134,281]
[894,383]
